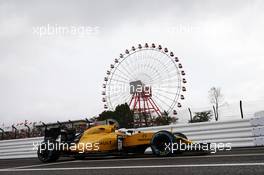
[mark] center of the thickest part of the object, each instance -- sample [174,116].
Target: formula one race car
[106,140]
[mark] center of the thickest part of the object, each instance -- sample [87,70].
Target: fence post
[45,128]
[15,130]
[28,133]
[190,114]
[72,124]
[241,109]
[2,133]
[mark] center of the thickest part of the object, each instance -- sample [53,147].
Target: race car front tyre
[161,143]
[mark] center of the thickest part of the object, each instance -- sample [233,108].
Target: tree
[201,117]
[106,115]
[165,119]
[122,114]
[216,98]
[125,116]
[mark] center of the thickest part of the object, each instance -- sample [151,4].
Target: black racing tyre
[46,154]
[161,143]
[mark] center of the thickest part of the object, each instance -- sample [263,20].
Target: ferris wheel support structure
[149,78]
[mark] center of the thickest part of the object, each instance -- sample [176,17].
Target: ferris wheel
[149,78]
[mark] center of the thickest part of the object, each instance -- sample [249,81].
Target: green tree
[122,114]
[165,119]
[106,115]
[201,117]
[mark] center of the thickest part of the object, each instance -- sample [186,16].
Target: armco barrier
[240,133]
[18,148]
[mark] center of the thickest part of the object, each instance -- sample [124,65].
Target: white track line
[46,164]
[135,167]
[133,159]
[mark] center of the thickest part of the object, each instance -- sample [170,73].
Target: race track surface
[239,161]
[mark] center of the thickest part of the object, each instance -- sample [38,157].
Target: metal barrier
[240,133]
[19,148]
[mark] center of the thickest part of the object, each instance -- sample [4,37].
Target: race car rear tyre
[161,143]
[47,154]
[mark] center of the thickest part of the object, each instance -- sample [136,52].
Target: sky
[49,76]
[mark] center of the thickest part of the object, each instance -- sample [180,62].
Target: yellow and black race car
[107,140]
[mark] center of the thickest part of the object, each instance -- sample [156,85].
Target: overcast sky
[59,77]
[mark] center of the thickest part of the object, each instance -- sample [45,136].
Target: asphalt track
[239,161]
